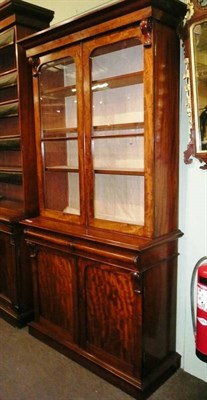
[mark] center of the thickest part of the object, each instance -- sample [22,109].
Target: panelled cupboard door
[118,91]
[55,288]
[111,312]
[59,136]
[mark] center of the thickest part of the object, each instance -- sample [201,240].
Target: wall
[192,210]
[65,9]
[193,245]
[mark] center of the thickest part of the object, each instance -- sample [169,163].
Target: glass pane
[67,149]
[119,198]
[62,192]
[117,75]
[118,131]
[59,136]
[119,153]
[118,105]
[58,95]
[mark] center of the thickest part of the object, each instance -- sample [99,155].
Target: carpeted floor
[30,370]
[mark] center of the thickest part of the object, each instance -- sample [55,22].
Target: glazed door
[111,315]
[59,134]
[117,76]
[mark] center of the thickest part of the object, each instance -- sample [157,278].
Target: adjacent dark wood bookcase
[104,246]
[18,178]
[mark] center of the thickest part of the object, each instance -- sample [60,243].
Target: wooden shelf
[59,138]
[61,169]
[10,169]
[111,82]
[120,171]
[97,128]
[118,81]
[111,127]
[60,130]
[59,92]
[116,171]
[126,135]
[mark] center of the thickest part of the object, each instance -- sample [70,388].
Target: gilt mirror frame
[195,45]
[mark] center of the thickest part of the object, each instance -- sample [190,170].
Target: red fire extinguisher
[200,324]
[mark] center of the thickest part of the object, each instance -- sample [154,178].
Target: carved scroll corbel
[146,29]
[34,63]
